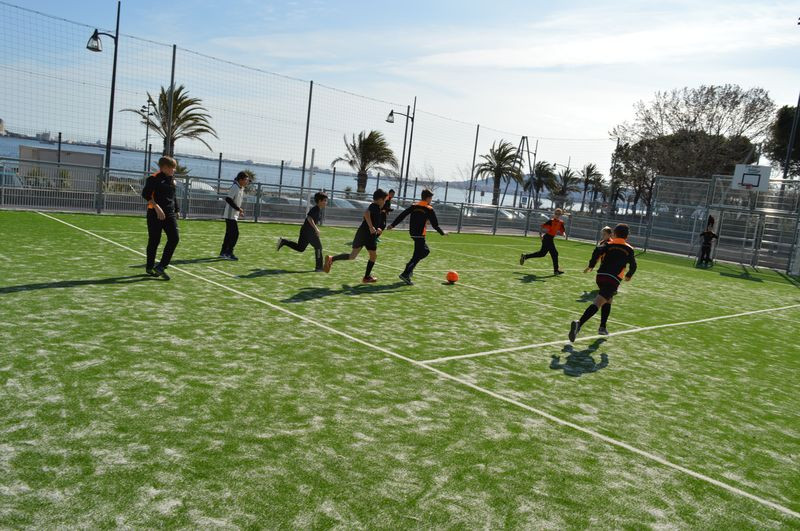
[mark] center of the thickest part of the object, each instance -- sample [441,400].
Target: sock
[343,256]
[590,311]
[605,311]
[370,265]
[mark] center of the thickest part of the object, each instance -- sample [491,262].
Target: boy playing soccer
[420,213]
[708,237]
[366,236]
[233,209]
[309,232]
[615,255]
[552,228]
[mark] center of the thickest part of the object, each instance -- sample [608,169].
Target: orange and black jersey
[615,255]
[421,213]
[553,227]
[160,189]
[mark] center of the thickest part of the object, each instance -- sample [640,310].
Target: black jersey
[616,255]
[375,216]
[708,237]
[421,213]
[160,189]
[315,213]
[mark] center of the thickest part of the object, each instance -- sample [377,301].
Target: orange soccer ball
[452,277]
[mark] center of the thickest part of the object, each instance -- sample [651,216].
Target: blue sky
[546,69]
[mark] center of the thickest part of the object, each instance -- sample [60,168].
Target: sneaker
[151,271]
[559,272]
[603,331]
[233,257]
[328,263]
[279,244]
[405,279]
[522,259]
[320,270]
[223,256]
[574,328]
[369,280]
[160,272]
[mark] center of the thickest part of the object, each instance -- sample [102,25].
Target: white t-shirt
[236,193]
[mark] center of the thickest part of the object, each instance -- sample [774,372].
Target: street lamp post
[146,109]
[95,45]
[409,116]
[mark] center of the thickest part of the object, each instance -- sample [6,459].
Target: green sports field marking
[477,388]
[621,332]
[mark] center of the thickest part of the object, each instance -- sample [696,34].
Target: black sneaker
[320,270]
[223,256]
[150,271]
[522,259]
[574,328]
[405,279]
[161,272]
[279,244]
[603,331]
[559,272]
[233,257]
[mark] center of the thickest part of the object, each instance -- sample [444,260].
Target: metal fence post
[2,185]
[333,182]
[653,209]
[446,186]
[415,186]
[494,225]
[186,197]
[280,180]
[305,145]
[460,218]
[257,211]
[219,173]
[569,226]
[378,182]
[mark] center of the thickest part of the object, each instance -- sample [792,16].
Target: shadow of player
[527,278]
[256,273]
[308,294]
[588,296]
[187,261]
[76,283]
[580,362]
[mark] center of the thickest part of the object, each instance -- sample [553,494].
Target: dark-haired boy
[615,255]
[548,231]
[233,209]
[421,213]
[708,238]
[385,209]
[309,232]
[366,236]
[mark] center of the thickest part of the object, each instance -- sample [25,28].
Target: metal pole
[410,142]
[405,137]
[113,87]
[378,183]
[308,125]
[219,173]
[59,149]
[653,208]
[280,180]
[415,186]
[333,182]
[471,191]
[460,218]
[792,137]
[149,157]
[146,137]
[446,186]
[169,146]
[257,211]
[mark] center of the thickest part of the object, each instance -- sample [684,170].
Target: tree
[588,174]
[564,184]
[542,179]
[778,140]
[190,120]
[598,187]
[367,151]
[502,163]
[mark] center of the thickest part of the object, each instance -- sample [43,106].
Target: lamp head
[390,118]
[94,44]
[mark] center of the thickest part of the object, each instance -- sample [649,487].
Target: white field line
[621,332]
[501,294]
[221,272]
[445,376]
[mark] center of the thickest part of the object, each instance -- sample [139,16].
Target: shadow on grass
[189,261]
[76,283]
[257,273]
[793,281]
[527,278]
[580,362]
[744,274]
[309,294]
[588,296]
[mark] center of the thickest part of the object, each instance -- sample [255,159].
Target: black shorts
[365,239]
[607,286]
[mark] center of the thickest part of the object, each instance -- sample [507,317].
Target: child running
[233,209]
[162,215]
[366,236]
[421,213]
[552,228]
[309,232]
[615,255]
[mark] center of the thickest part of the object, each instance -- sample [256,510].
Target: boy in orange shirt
[548,231]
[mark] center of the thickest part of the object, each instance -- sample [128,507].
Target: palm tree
[565,183]
[502,163]
[190,120]
[598,187]
[542,179]
[587,175]
[368,152]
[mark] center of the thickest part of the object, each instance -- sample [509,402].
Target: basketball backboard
[752,178]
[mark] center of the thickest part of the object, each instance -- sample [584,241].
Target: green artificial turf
[200,402]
